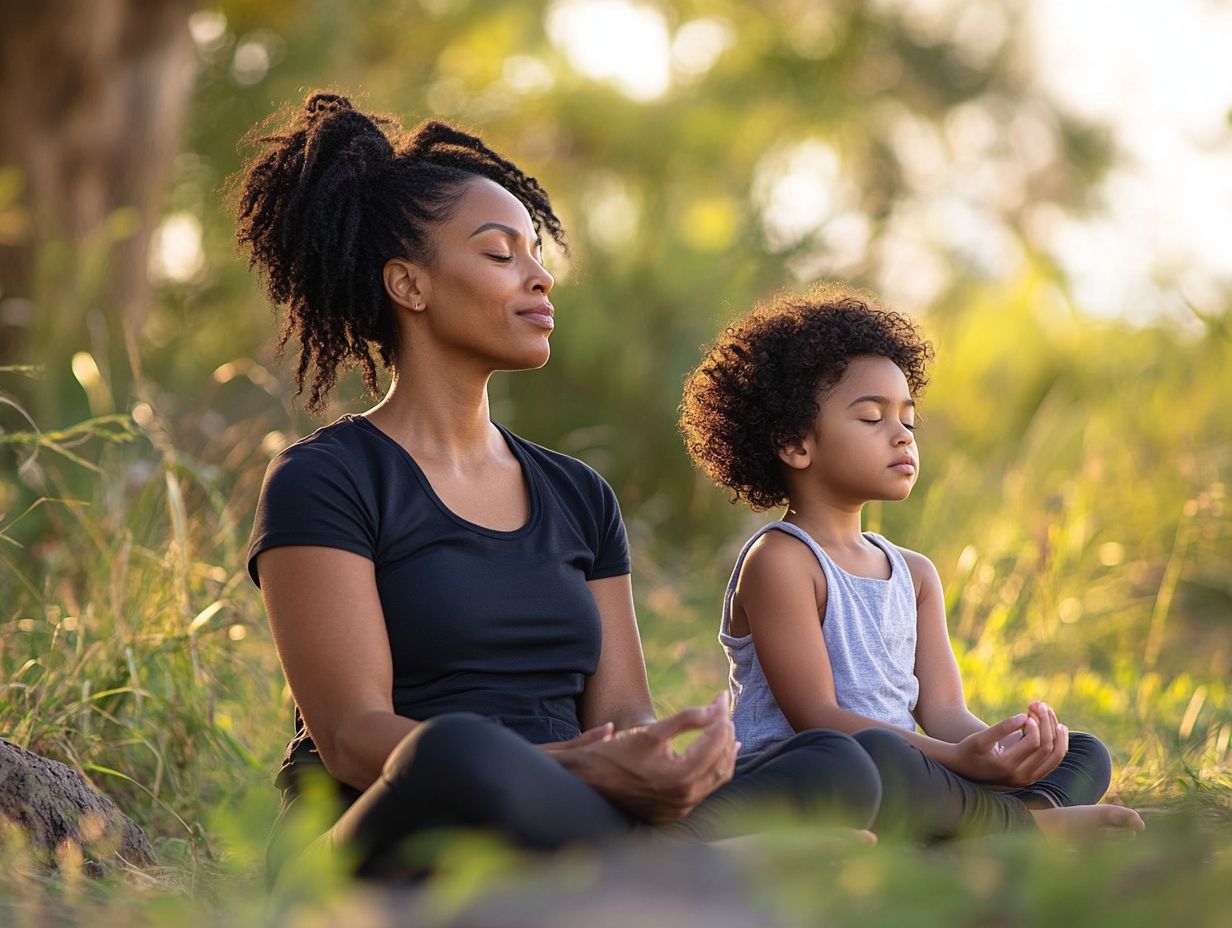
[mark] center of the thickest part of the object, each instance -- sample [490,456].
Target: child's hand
[1054,738]
[1009,753]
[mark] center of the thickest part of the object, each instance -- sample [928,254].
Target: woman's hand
[590,736]
[997,757]
[639,770]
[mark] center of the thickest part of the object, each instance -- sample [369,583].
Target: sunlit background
[1045,186]
[1149,238]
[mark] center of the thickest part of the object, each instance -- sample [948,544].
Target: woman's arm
[636,766]
[617,691]
[329,630]
[782,594]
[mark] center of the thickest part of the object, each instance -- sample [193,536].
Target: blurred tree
[94,95]
[703,153]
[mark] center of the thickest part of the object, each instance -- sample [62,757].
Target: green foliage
[1073,491]
[125,622]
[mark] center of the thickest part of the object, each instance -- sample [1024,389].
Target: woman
[451,604]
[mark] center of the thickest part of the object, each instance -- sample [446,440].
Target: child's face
[862,442]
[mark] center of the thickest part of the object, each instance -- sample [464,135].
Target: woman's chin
[540,357]
[528,360]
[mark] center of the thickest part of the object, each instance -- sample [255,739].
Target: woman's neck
[441,413]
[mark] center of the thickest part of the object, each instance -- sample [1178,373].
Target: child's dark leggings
[921,799]
[463,770]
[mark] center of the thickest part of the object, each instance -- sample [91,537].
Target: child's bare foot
[1088,822]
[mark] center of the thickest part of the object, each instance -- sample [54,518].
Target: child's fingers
[1003,729]
[1051,715]
[1024,753]
[1047,726]
[1054,757]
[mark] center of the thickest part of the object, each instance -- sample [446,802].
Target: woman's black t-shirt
[497,623]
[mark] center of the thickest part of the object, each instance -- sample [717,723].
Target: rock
[634,883]
[62,820]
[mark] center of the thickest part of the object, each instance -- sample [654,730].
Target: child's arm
[781,593]
[941,709]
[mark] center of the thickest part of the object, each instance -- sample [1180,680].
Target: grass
[1074,500]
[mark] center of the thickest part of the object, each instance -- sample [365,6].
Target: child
[809,402]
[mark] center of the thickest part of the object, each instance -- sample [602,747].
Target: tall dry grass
[1074,498]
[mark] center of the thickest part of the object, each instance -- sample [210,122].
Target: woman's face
[485,297]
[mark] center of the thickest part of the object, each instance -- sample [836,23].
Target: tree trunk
[62,819]
[92,98]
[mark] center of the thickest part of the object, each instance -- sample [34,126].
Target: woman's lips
[540,316]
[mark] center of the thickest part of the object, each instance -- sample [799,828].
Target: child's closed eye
[910,426]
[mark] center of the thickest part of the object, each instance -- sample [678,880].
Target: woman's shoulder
[560,467]
[342,446]
[339,436]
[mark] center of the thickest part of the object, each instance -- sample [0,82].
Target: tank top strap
[786,527]
[899,571]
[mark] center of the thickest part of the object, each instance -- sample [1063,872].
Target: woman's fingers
[600,732]
[590,736]
[689,719]
[712,749]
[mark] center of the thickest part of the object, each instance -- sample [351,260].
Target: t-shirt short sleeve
[310,497]
[612,552]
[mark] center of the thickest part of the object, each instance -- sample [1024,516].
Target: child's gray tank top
[869,631]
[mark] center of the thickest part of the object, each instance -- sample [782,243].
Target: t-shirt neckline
[528,475]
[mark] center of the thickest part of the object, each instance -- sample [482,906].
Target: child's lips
[904,466]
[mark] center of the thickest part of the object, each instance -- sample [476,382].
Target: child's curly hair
[758,388]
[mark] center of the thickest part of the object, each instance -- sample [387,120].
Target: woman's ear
[406,284]
[795,455]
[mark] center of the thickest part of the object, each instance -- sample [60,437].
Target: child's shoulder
[778,556]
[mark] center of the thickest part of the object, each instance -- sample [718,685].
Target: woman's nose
[542,279]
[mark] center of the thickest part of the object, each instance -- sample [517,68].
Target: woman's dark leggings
[462,770]
[923,800]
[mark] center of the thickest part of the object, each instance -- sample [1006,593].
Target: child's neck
[827,523]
